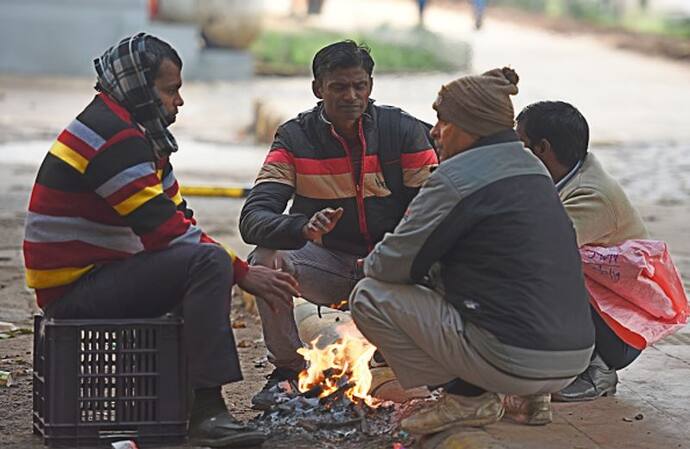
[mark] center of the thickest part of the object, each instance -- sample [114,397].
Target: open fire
[342,366]
[331,403]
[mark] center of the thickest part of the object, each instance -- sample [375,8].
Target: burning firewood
[337,394]
[344,362]
[332,403]
[313,392]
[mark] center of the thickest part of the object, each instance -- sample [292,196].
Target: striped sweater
[101,195]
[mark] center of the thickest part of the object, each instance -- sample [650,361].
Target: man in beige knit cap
[509,312]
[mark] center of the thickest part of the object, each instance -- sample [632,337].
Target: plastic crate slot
[105,374]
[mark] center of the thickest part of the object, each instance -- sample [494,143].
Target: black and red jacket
[311,164]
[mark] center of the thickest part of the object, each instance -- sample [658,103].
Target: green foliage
[529,5]
[590,11]
[291,53]
[678,27]
[601,12]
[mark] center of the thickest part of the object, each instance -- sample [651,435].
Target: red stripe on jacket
[341,165]
[239,269]
[172,190]
[45,296]
[170,229]
[335,166]
[309,166]
[50,255]
[78,145]
[279,156]
[132,188]
[122,135]
[419,159]
[88,205]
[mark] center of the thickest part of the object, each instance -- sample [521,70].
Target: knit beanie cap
[479,104]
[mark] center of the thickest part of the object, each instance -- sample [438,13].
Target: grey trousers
[194,279]
[422,338]
[325,278]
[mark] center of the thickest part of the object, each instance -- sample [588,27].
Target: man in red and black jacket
[351,167]
[108,234]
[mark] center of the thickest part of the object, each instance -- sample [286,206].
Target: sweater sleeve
[592,215]
[126,176]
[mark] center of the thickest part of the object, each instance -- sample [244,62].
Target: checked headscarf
[125,73]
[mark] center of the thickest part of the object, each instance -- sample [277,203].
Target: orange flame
[348,356]
[340,306]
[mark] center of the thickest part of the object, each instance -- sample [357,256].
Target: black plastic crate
[98,381]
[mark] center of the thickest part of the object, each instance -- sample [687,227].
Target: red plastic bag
[636,289]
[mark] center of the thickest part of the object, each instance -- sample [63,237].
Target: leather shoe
[223,430]
[455,410]
[532,410]
[597,381]
[269,394]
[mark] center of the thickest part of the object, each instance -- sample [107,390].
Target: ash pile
[336,417]
[341,400]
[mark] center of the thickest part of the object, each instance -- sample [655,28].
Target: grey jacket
[491,218]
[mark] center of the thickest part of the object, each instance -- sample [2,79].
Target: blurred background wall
[61,37]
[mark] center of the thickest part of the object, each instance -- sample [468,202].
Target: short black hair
[561,124]
[342,55]
[160,50]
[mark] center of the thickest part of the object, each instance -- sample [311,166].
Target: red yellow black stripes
[101,196]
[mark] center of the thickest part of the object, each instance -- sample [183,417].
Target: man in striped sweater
[108,234]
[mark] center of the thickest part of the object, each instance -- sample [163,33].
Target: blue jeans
[326,277]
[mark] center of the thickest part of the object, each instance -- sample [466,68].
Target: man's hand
[321,223]
[273,286]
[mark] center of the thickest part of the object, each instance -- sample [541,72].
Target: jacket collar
[573,171]
[368,117]
[505,136]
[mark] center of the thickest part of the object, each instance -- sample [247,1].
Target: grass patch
[606,14]
[417,50]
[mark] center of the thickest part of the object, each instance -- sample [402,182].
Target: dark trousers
[192,279]
[615,352]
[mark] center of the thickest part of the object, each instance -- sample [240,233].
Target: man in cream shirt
[558,134]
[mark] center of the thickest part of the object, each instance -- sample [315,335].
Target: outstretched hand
[321,223]
[273,286]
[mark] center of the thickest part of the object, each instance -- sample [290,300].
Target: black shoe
[597,381]
[377,360]
[266,398]
[223,430]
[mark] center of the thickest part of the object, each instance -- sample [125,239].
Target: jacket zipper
[359,189]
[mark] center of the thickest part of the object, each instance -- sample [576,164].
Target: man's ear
[316,89]
[542,148]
